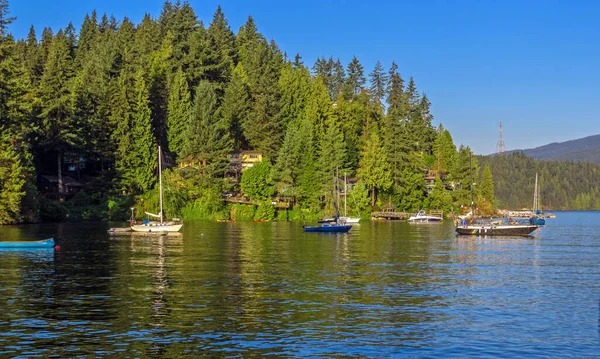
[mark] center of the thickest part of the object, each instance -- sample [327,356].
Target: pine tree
[379,81]
[145,157]
[15,172]
[207,133]
[5,20]
[487,185]
[59,132]
[355,80]
[374,167]
[178,112]
[121,119]
[223,40]
[262,130]
[236,106]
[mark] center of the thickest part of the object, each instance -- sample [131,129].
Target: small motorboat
[44,243]
[422,217]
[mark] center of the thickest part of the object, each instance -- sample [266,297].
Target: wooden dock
[389,215]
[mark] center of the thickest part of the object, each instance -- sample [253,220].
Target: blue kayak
[328,228]
[45,243]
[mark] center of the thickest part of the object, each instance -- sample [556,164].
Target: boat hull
[424,219]
[45,243]
[511,230]
[349,219]
[156,227]
[328,229]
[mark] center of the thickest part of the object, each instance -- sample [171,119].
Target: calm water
[251,289]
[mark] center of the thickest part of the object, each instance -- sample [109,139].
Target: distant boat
[497,228]
[345,218]
[328,228]
[423,217]
[537,218]
[491,229]
[44,243]
[160,226]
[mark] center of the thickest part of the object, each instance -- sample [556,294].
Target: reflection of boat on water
[44,243]
[117,232]
[423,217]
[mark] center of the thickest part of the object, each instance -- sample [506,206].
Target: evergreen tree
[444,152]
[5,20]
[145,157]
[487,185]
[262,129]
[440,198]
[374,167]
[223,40]
[236,106]
[178,112]
[59,130]
[207,132]
[355,80]
[15,173]
[379,80]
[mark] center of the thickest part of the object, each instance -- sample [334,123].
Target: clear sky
[533,65]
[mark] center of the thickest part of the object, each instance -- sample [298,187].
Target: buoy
[57,247]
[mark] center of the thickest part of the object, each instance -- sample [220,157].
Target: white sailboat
[160,225]
[345,218]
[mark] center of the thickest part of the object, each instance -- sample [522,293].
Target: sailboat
[160,225]
[345,218]
[536,205]
[336,224]
[495,228]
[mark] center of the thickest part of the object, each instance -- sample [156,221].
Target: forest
[562,185]
[91,106]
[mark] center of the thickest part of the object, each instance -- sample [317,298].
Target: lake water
[385,289]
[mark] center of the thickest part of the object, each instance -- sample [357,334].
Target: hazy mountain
[584,149]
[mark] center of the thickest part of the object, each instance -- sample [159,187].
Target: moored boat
[160,225]
[423,217]
[328,228]
[44,243]
[497,230]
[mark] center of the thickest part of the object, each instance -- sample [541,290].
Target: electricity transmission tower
[500,148]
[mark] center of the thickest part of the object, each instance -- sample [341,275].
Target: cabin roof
[67,181]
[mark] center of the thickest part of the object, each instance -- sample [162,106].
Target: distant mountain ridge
[585,149]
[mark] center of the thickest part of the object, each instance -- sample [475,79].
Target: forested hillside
[563,185]
[582,149]
[99,100]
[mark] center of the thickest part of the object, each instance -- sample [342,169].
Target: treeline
[562,185]
[113,91]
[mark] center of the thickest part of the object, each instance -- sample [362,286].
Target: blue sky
[532,65]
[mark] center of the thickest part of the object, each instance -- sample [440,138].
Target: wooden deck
[389,215]
[402,215]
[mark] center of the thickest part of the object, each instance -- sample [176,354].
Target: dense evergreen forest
[562,185]
[97,103]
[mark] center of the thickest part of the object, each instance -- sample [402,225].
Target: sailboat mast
[160,185]
[471,171]
[535,196]
[345,194]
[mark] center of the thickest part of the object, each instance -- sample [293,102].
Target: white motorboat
[423,217]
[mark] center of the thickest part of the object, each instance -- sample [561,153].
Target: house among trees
[49,186]
[241,161]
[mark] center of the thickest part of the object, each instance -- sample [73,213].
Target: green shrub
[52,210]
[265,211]
[242,212]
